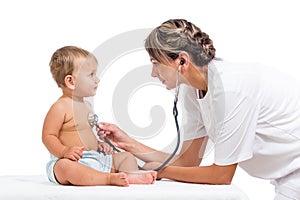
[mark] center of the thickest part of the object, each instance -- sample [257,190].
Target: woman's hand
[118,137]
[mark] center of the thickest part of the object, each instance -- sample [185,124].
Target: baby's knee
[62,170]
[63,165]
[128,156]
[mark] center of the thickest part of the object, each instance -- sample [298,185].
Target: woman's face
[166,73]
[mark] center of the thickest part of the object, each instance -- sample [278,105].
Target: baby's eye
[91,74]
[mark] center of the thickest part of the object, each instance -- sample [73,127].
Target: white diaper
[93,159]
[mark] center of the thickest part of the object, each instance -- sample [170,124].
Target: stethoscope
[93,121]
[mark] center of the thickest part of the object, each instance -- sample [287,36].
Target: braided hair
[176,35]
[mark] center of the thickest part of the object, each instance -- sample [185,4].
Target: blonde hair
[64,60]
[176,35]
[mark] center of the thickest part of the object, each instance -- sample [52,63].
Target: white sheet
[38,188]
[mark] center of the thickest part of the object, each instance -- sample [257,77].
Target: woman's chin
[169,88]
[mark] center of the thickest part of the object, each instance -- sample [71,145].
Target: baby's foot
[119,179]
[142,177]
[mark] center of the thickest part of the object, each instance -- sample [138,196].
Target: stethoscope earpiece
[179,65]
[181,62]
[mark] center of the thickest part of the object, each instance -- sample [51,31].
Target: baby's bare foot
[119,179]
[142,177]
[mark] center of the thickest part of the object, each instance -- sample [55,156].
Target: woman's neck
[197,77]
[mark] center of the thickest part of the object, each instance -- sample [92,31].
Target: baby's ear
[69,81]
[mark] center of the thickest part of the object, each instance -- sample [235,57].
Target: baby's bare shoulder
[62,104]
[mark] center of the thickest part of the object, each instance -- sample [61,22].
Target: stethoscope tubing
[175,114]
[93,119]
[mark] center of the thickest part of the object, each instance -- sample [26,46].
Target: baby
[77,157]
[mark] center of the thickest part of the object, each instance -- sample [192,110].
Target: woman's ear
[183,61]
[70,82]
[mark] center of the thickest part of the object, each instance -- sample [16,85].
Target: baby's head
[66,60]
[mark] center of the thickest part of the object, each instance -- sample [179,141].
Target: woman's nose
[154,72]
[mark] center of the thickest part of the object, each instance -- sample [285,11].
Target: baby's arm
[50,136]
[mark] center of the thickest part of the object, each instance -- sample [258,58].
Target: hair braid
[177,35]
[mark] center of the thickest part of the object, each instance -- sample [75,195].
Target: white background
[257,30]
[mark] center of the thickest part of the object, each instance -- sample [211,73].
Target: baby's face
[86,79]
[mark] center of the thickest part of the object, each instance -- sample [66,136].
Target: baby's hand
[105,148]
[73,153]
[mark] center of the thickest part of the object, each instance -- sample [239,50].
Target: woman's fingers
[108,127]
[103,134]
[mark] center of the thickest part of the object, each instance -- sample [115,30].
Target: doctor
[250,112]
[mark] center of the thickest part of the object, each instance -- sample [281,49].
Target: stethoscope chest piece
[93,119]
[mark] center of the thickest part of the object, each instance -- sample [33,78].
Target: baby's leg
[126,162]
[71,172]
[119,179]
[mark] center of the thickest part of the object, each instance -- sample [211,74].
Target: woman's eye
[156,64]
